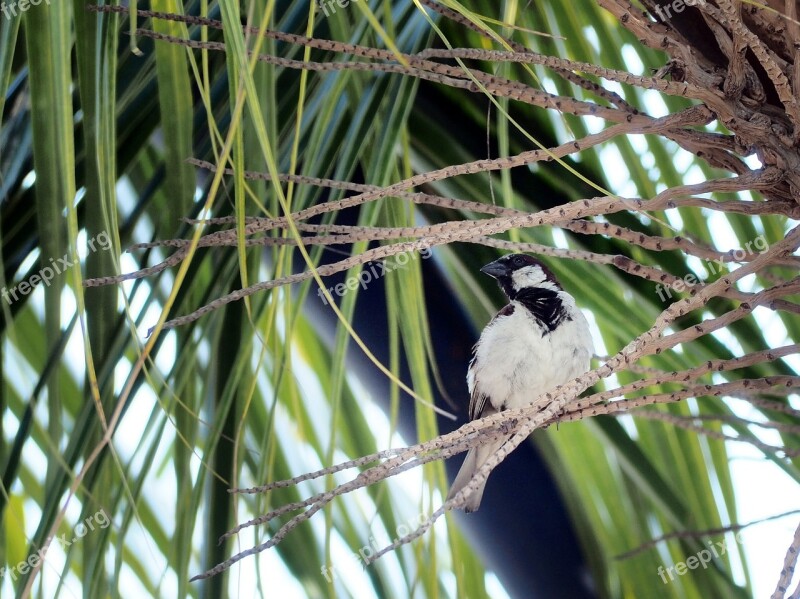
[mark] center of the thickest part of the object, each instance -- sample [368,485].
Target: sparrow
[538,341]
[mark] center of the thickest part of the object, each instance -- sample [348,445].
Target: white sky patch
[753,162]
[724,236]
[590,35]
[682,159]
[674,219]
[559,239]
[28,262]
[654,101]
[613,86]
[28,180]
[126,192]
[631,57]
[728,340]
[593,125]
[697,266]
[628,423]
[693,176]
[649,163]
[747,283]
[639,144]
[619,177]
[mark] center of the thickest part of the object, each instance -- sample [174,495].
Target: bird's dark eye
[519,261]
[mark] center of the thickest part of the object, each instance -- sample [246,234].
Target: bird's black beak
[495,269]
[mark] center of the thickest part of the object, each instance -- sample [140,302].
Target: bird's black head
[518,271]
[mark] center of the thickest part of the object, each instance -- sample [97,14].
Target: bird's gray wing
[477,404]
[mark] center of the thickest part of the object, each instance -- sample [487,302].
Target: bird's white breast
[517,360]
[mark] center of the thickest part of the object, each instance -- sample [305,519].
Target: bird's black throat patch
[545,305]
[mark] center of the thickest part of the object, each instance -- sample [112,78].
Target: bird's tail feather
[476,457]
